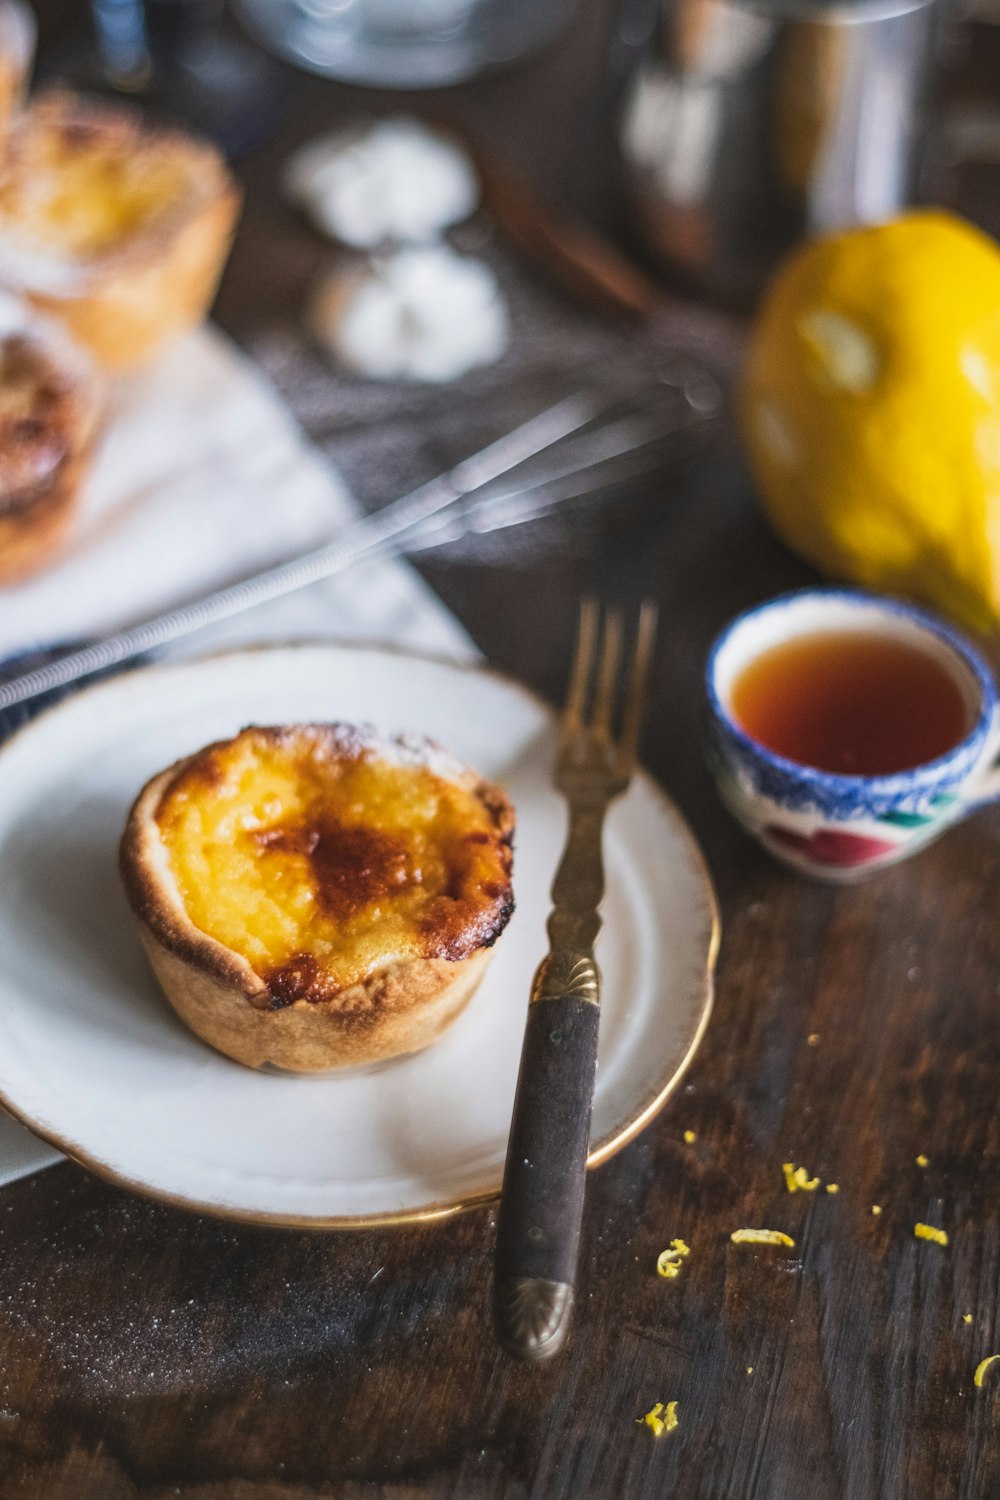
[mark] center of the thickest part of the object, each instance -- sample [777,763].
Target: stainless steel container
[750,125]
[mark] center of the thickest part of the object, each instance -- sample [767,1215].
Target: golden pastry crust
[49,409]
[119,229]
[390,954]
[33,533]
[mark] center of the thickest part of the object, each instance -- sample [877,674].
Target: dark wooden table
[148,1352]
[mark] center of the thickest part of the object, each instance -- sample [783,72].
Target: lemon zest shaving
[689,1137]
[761,1237]
[982,1367]
[652,1419]
[797,1179]
[966,1317]
[749,1369]
[876,1209]
[928,1232]
[922,1160]
[668,1262]
[833,1187]
[660,1418]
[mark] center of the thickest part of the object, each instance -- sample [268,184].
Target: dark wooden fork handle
[538,1230]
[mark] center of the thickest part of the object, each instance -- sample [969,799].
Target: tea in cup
[847,730]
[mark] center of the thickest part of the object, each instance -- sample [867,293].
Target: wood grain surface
[148,1352]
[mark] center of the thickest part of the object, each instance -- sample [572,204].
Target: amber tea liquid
[850,702]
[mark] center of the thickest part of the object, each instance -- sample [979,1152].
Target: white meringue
[418,314]
[395,180]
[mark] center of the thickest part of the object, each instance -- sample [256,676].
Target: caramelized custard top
[83,180]
[322,854]
[41,416]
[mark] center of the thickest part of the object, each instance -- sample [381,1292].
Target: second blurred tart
[49,417]
[17,51]
[118,228]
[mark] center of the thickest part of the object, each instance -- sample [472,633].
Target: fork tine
[604,697]
[636,694]
[583,664]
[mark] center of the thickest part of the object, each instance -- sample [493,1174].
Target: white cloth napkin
[203,477]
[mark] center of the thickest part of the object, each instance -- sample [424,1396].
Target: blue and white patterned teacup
[839,827]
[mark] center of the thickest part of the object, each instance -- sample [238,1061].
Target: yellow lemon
[871,410]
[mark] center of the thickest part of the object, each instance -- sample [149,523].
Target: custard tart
[118,228]
[317,896]
[49,414]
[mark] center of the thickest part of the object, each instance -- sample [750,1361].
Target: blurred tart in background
[49,417]
[118,228]
[17,51]
[315,896]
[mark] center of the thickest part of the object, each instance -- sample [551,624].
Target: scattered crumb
[833,1187]
[660,1418]
[813,1038]
[761,1237]
[876,1209]
[928,1232]
[797,1179]
[668,1262]
[922,1160]
[966,1317]
[689,1137]
[982,1367]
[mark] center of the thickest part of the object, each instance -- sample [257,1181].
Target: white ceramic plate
[93,1059]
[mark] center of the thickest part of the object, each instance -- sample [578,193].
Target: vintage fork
[541,1207]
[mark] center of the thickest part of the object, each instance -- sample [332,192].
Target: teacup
[835,826]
